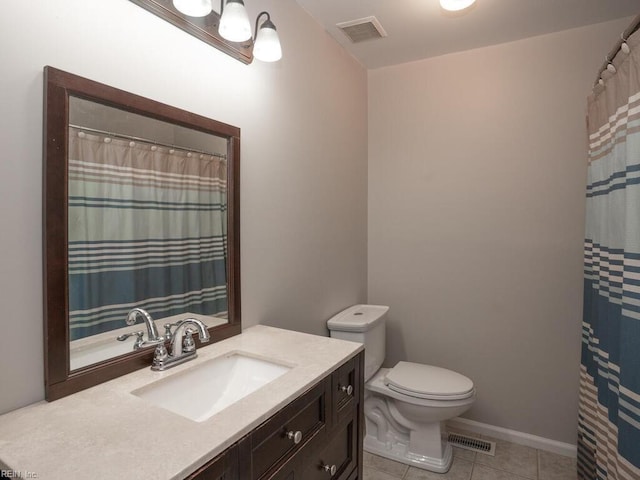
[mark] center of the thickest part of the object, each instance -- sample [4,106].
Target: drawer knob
[330,469]
[295,436]
[348,389]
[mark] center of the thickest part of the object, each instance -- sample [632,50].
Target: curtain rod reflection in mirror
[146,140]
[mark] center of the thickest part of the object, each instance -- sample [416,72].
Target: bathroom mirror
[203,28]
[141,209]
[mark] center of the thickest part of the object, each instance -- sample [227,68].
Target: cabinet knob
[330,469]
[295,436]
[348,389]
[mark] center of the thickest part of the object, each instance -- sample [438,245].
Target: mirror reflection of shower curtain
[609,403]
[147,228]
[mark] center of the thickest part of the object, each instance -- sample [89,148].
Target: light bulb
[267,46]
[456,5]
[234,23]
[193,8]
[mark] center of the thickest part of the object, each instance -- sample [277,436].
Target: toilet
[404,405]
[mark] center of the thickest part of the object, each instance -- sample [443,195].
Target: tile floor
[511,462]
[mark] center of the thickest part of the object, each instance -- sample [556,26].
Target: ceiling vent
[363,29]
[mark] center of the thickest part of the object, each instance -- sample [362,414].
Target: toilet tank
[363,324]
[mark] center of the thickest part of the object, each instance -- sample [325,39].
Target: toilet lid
[426,381]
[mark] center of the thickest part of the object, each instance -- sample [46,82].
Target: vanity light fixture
[235,27]
[193,8]
[456,5]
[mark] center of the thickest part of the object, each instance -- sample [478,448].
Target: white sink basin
[203,390]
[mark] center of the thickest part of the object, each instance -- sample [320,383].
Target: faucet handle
[139,341]
[188,345]
[150,343]
[167,329]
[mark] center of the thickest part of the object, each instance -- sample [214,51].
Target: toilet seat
[428,382]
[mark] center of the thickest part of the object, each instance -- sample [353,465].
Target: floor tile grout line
[521,475]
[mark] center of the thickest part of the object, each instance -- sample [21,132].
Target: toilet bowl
[404,406]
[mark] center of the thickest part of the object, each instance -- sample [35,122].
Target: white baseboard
[513,436]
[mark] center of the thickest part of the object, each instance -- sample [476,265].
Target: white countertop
[105,432]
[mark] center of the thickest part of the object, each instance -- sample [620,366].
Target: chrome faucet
[183,347]
[152,331]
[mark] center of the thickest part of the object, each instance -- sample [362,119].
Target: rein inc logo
[17,474]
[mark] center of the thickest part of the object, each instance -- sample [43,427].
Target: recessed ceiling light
[456,5]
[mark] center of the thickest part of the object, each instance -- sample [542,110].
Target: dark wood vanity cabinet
[318,436]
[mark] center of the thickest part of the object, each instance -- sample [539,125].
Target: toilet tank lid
[357,318]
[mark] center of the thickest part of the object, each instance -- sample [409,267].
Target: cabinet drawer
[274,442]
[345,385]
[340,455]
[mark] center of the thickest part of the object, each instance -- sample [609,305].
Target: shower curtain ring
[624,46]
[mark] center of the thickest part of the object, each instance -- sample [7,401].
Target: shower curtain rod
[631,29]
[146,140]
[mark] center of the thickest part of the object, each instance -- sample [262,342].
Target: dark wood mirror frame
[58,86]
[204,28]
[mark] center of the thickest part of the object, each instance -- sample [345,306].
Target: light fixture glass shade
[456,5]
[267,45]
[193,8]
[234,23]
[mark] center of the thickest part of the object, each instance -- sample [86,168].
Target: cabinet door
[345,384]
[339,458]
[346,390]
[223,467]
[291,470]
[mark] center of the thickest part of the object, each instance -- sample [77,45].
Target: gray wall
[477,168]
[303,208]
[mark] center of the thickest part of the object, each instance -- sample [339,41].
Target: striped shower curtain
[147,228]
[609,405]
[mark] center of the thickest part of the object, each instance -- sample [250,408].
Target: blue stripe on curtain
[104,298]
[609,403]
[611,376]
[147,228]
